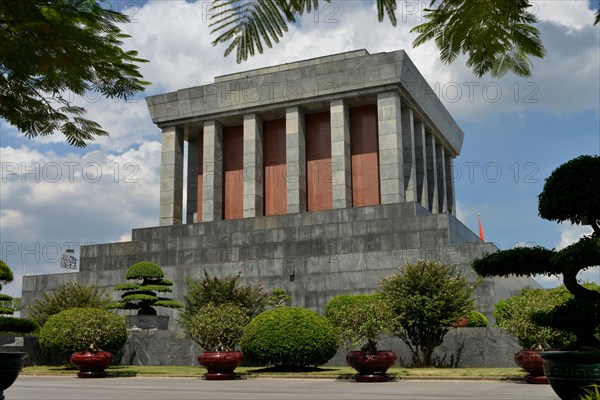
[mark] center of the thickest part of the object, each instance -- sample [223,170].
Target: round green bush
[476,320]
[78,329]
[17,325]
[289,337]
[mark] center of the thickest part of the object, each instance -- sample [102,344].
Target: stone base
[148,322]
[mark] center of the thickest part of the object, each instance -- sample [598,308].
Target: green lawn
[252,372]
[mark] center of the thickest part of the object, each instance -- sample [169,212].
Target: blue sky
[517,130]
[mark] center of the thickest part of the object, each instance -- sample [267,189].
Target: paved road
[66,388]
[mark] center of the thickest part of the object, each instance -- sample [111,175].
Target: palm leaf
[249,24]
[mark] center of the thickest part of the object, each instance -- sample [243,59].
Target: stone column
[421,164]
[432,178]
[340,155]
[441,164]
[171,176]
[212,183]
[450,185]
[295,154]
[192,181]
[410,166]
[391,174]
[253,166]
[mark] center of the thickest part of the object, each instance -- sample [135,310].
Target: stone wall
[313,256]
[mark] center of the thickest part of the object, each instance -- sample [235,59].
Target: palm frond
[250,24]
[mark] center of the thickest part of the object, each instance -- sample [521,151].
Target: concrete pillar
[192,181]
[295,154]
[171,176]
[421,164]
[451,198]
[391,174]
[410,166]
[212,184]
[253,166]
[341,162]
[441,165]
[432,178]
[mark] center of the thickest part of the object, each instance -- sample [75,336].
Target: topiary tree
[569,194]
[79,329]
[6,276]
[360,319]
[143,296]
[516,316]
[289,338]
[426,298]
[68,295]
[475,319]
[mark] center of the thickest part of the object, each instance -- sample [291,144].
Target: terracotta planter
[571,372]
[10,367]
[220,364]
[460,323]
[91,364]
[371,367]
[531,362]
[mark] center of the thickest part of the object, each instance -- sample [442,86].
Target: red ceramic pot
[531,362]
[91,364]
[371,367]
[220,364]
[460,323]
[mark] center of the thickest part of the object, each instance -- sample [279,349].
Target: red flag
[481,235]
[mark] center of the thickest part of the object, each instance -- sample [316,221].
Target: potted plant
[217,329]
[515,315]
[142,296]
[360,320]
[569,194]
[80,334]
[215,313]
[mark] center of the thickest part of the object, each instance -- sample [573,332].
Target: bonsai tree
[360,319]
[569,194]
[426,297]
[6,276]
[143,296]
[69,295]
[516,316]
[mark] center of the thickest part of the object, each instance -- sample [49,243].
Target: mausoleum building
[319,177]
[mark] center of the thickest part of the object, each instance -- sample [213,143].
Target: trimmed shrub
[216,327]
[476,320]
[9,325]
[289,337]
[67,296]
[360,319]
[78,329]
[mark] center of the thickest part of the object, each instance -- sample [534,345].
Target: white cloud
[573,15]
[570,234]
